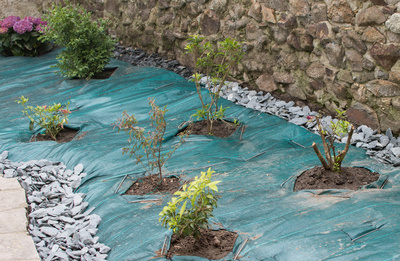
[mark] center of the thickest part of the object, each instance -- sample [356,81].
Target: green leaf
[182,209]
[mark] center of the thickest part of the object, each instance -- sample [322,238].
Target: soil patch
[349,178]
[153,184]
[65,135]
[221,129]
[218,244]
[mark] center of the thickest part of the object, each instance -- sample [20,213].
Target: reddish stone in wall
[361,114]
[210,23]
[386,55]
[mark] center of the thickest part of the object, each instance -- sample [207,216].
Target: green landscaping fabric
[257,172]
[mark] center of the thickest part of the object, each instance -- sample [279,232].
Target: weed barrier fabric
[257,172]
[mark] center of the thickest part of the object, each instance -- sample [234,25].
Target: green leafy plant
[190,211]
[88,46]
[329,136]
[52,118]
[149,145]
[20,37]
[217,63]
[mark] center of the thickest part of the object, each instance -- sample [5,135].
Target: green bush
[188,213]
[88,46]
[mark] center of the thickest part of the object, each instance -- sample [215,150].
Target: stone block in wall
[283,77]
[316,70]
[394,74]
[324,32]
[370,16]
[253,32]
[111,7]
[386,55]
[335,54]
[373,35]
[393,23]
[361,114]
[299,8]
[255,11]
[279,34]
[379,2]
[268,14]
[287,21]
[319,12]
[367,64]
[277,5]
[266,83]
[355,59]
[359,92]
[341,12]
[345,76]
[383,88]
[390,120]
[295,91]
[350,39]
[209,23]
[301,40]
[218,6]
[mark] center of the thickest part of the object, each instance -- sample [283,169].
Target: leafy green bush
[217,63]
[52,118]
[188,213]
[329,136]
[150,143]
[20,37]
[88,46]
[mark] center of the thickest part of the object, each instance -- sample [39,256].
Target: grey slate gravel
[59,224]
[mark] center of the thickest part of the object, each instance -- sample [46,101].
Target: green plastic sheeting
[256,172]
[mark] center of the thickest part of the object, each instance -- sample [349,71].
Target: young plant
[329,136]
[217,63]
[148,144]
[19,37]
[52,118]
[88,46]
[190,211]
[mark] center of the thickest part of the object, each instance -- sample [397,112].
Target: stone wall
[337,53]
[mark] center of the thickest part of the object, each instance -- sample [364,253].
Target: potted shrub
[188,214]
[20,37]
[148,150]
[52,118]
[88,46]
[216,62]
[332,175]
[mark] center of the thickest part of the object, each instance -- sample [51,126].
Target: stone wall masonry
[338,53]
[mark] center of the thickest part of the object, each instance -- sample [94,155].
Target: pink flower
[9,22]
[65,112]
[310,117]
[3,30]
[23,26]
[44,106]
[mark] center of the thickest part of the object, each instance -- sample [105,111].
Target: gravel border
[385,148]
[58,223]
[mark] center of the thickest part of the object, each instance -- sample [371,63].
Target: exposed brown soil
[221,129]
[349,178]
[218,244]
[153,184]
[65,135]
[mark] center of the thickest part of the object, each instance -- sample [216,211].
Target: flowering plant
[52,118]
[19,37]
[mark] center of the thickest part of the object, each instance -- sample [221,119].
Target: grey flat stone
[299,121]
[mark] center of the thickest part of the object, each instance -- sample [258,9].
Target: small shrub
[190,211]
[148,144]
[329,135]
[20,37]
[51,118]
[88,46]
[217,63]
